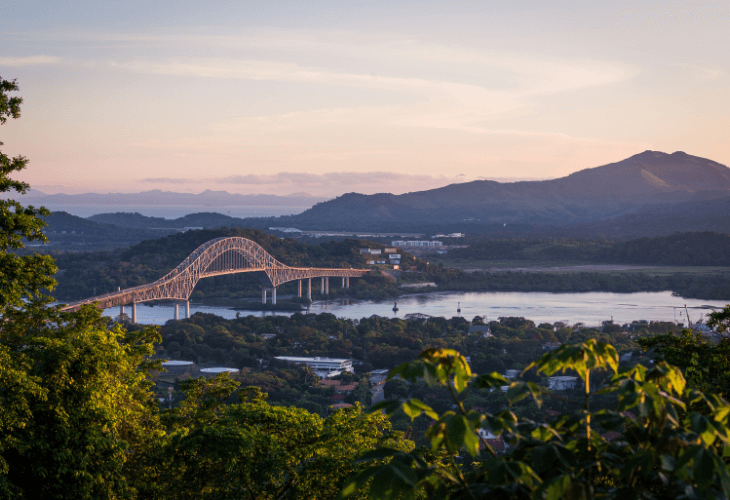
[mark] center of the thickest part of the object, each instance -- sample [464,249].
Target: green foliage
[255,450]
[76,411]
[705,365]
[21,277]
[92,273]
[680,249]
[667,451]
[704,286]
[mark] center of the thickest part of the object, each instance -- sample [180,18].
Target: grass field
[568,266]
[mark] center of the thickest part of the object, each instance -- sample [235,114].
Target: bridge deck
[217,257]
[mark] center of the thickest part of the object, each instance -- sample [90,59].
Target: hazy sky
[340,96]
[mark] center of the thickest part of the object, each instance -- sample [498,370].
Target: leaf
[492,380]
[414,407]
[667,462]
[456,430]
[704,468]
[543,457]
[702,426]
[558,488]
[519,390]
[390,407]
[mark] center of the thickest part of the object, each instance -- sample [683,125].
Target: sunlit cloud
[28,61]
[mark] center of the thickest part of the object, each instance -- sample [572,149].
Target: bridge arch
[217,257]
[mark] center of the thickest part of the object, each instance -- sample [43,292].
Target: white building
[323,367]
[417,243]
[212,372]
[177,367]
[562,383]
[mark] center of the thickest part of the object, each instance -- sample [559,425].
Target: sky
[329,97]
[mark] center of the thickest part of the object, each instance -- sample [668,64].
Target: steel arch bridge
[216,258]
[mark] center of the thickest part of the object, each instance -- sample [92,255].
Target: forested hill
[680,249]
[172,250]
[93,273]
[650,177]
[69,232]
[201,219]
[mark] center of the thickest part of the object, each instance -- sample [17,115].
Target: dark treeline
[701,286]
[680,249]
[373,343]
[86,274]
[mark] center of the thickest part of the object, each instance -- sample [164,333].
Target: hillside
[68,232]
[92,273]
[663,219]
[208,220]
[592,194]
[679,249]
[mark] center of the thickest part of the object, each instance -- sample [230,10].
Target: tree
[254,450]
[705,365]
[21,277]
[76,410]
[667,450]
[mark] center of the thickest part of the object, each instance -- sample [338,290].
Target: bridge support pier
[309,289]
[121,313]
[347,282]
[263,295]
[177,311]
[187,309]
[300,287]
[321,287]
[327,285]
[273,296]
[134,312]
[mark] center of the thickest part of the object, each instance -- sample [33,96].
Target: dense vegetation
[715,286]
[86,274]
[680,249]
[373,343]
[79,418]
[92,273]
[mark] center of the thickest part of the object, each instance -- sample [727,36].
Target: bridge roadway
[219,257]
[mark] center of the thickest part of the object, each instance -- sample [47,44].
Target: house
[550,346]
[268,336]
[329,383]
[345,389]
[562,383]
[484,330]
[496,442]
[323,367]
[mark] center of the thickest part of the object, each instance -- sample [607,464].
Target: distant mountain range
[208,198]
[625,187]
[649,194]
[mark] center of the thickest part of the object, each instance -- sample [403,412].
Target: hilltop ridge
[615,189]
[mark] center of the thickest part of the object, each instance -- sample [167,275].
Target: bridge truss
[216,257]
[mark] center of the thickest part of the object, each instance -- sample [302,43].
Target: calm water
[589,308]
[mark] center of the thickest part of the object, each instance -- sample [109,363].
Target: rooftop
[174,362]
[304,360]
[219,369]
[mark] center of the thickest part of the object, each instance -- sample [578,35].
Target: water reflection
[589,308]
